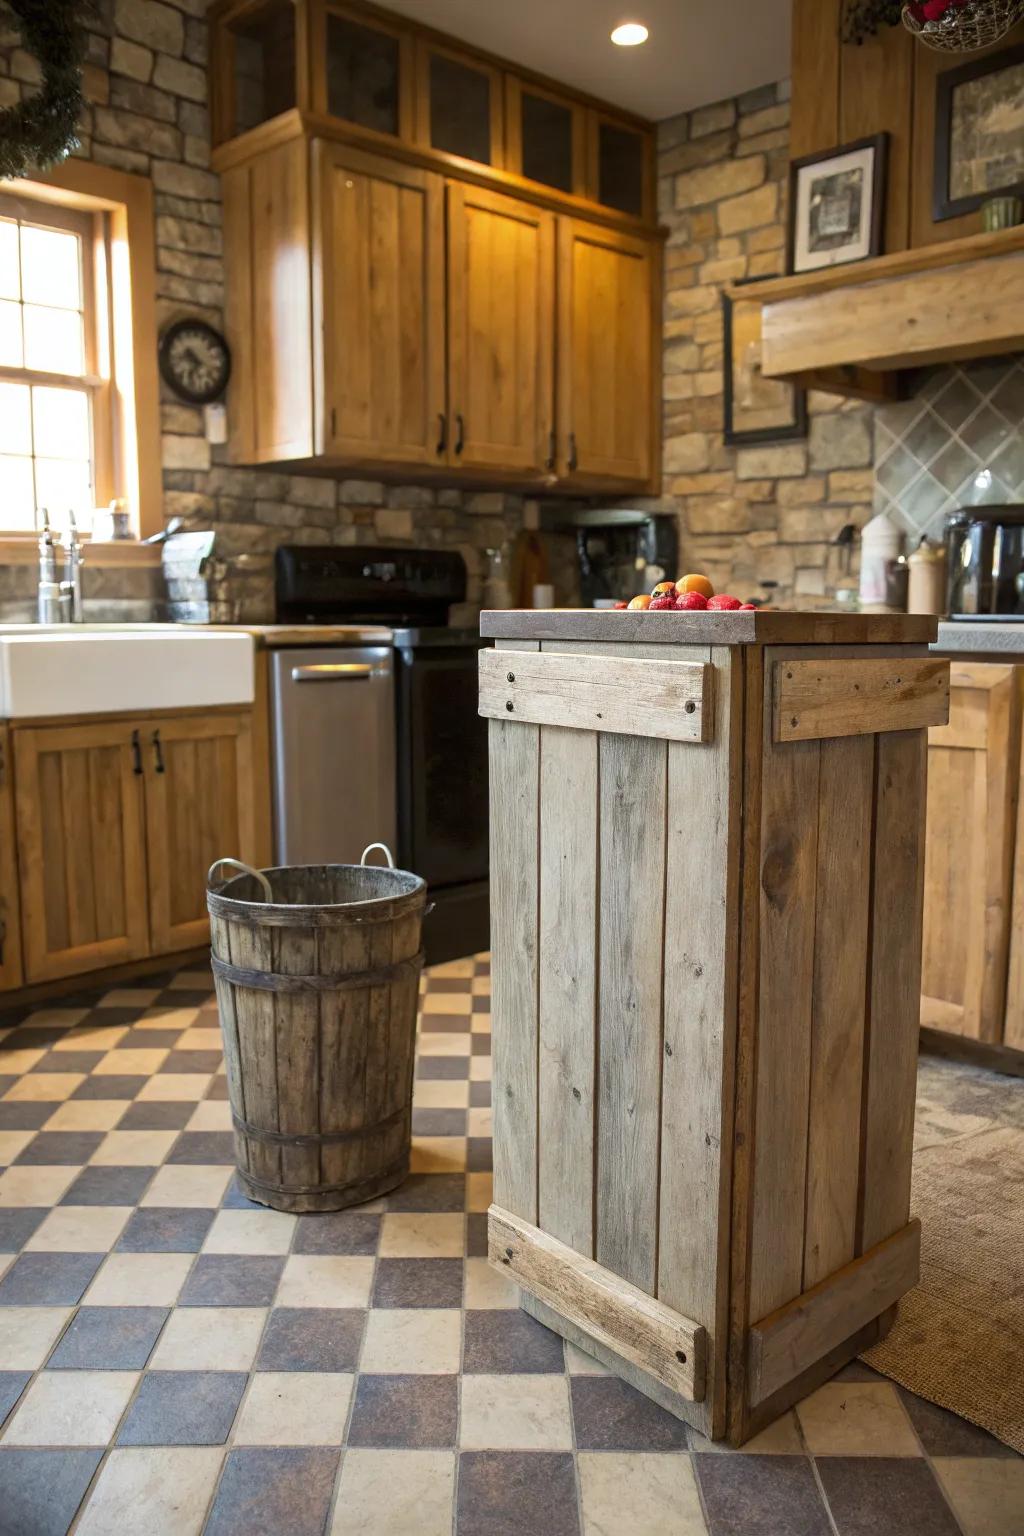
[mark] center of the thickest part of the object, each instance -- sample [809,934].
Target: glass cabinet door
[367,76]
[256,66]
[544,136]
[619,156]
[459,105]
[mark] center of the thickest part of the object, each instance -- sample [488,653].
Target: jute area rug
[958,1339]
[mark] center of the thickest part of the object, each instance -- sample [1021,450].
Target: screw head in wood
[510,676]
[509,705]
[689,706]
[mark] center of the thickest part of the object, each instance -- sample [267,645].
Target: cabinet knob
[573,455]
[460,433]
[158,753]
[136,753]
[442,432]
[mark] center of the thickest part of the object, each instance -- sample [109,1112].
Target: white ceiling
[698,51]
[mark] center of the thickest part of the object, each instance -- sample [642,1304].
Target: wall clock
[195,361]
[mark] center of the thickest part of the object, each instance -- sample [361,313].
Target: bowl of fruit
[690,594]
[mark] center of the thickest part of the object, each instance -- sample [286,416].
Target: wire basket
[966,28]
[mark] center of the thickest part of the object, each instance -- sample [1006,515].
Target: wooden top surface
[730,628]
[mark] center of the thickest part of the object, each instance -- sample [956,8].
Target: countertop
[757,627]
[998,641]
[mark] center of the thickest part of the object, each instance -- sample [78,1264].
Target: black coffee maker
[622,551]
[985,562]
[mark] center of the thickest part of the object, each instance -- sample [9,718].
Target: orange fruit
[663,589]
[695,584]
[643,601]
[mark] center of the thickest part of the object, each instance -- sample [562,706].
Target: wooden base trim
[105,976]
[791,1339]
[669,700]
[617,1315]
[815,699]
[979,1053]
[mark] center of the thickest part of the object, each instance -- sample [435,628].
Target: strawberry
[622,605]
[723,601]
[691,601]
[748,607]
[663,604]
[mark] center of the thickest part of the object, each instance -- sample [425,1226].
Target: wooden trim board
[752,627]
[814,699]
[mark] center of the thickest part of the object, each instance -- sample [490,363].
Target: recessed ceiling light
[628,34]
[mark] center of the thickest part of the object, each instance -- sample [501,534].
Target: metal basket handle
[384,849]
[246,869]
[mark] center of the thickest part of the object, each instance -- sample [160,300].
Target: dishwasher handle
[336,672]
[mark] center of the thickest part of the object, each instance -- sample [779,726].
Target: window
[54,365]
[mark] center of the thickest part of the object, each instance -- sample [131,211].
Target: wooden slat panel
[875,96]
[567,983]
[843,888]
[895,984]
[296,1054]
[255,949]
[813,699]
[79,851]
[105,798]
[514,783]
[38,801]
[631,838]
[280,338]
[814,110]
[667,699]
[10,895]
[617,1314]
[794,1337]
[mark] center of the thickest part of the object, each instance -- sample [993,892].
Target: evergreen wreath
[43,129]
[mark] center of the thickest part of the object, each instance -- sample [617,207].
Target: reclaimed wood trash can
[317,973]
[706,888]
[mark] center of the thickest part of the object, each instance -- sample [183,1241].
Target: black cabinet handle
[136,753]
[549,462]
[442,432]
[159,753]
[459,433]
[573,456]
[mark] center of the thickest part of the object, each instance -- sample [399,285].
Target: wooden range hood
[851,329]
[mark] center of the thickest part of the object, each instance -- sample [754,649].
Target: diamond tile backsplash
[959,442]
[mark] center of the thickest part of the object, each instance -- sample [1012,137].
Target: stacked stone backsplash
[762,512]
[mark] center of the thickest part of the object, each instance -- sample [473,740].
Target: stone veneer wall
[758,512]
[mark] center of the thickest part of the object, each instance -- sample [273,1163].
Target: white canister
[880,542]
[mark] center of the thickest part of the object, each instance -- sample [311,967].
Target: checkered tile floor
[174,1359]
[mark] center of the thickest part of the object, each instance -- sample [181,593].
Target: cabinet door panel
[10,905]
[380,264]
[81,848]
[199,807]
[605,394]
[501,257]
[459,105]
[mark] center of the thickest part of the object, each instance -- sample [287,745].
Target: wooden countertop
[277,636]
[758,627]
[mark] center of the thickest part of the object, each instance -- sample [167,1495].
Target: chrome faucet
[48,597]
[71,586]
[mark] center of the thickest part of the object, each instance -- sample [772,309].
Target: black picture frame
[879,142]
[943,205]
[731,436]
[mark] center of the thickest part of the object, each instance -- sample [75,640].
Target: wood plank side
[814,117]
[619,1315]
[567,984]
[10,895]
[814,699]
[788,1341]
[894,986]
[631,838]
[667,699]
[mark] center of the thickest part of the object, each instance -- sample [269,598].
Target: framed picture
[979,133]
[757,410]
[837,205]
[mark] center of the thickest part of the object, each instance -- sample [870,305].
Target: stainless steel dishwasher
[333,734]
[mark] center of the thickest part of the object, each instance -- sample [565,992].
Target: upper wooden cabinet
[366,73]
[458,103]
[545,136]
[254,62]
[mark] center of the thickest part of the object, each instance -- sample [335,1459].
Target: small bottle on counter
[927,586]
[880,543]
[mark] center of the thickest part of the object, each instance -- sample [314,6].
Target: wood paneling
[875,96]
[279,338]
[814,107]
[10,901]
[667,699]
[822,699]
[236,194]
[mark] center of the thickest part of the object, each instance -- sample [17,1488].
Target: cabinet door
[199,807]
[81,847]
[501,317]
[620,165]
[458,104]
[362,70]
[545,136]
[379,266]
[606,425]
[972,790]
[10,905]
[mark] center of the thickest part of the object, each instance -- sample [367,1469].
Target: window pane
[61,423]
[64,483]
[460,108]
[8,259]
[16,496]
[10,334]
[50,267]
[53,340]
[15,421]
[362,74]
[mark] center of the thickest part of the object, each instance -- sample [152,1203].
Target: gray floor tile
[157,1115]
[274,1493]
[108,1186]
[226,1280]
[48,1279]
[610,1415]
[517,1493]
[430,1192]
[12,1385]
[871,1494]
[405,1412]
[112,1086]
[41,1490]
[163,1229]
[311,1339]
[943,1434]
[203,1147]
[21,1115]
[439,1122]
[183,1408]
[761,1496]
[109,1339]
[17,1223]
[505,1341]
[337,1232]
[418,1283]
[51,1148]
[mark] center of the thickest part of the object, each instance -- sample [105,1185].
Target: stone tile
[48,1279]
[71,1408]
[867,1494]
[761,1496]
[219,1280]
[426,1235]
[51,1148]
[312,1339]
[502,1341]
[442,1094]
[209,1338]
[12,1385]
[26,1115]
[14,1145]
[133,1149]
[485,1287]
[397,1412]
[137,1063]
[139,1280]
[441,1068]
[192,1063]
[337,1232]
[165,1491]
[274,1492]
[17,1226]
[108,1186]
[515,1413]
[85,1114]
[945,1434]
[857,1419]
[41,1490]
[158,1115]
[438,1154]
[295,1408]
[175,1088]
[476,1235]
[211,1115]
[987,1493]
[197,1186]
[782,1438]
[250,1232]
[579,1363]
[122,1086]
[320,1281]
[203,1147]
[635,1494]
[109,1339]
[68,1061]
[610,1415]
[512,1493]
[49,1087]
[479,1191]
[27,1334]
[79,1229]
[417,1283]
[420,1341]
[164,1229]
[33,1186]
[383,1493]
[183,1408]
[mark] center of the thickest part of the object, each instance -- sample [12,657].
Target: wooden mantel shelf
[938,303]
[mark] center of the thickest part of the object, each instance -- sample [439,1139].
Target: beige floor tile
[485,1288]
[294,1408]
[34,1186]
[325,1282]
[92,1037]
[438,1154]
[129,997]
[462,968]
[71,1408]
[437,1094]
[481,1024]
[250,1232]
[209,1339]
[200,1038]
[133,1149]
[196,1185]
[479,1191]
[39,1087]
[164,1087]
[421,1340]
[13,1142]
[857,1418]
[139,1280]
[986,1492]
[445,1044]
[395,1493]
[479,1122]
[446,1002]
[191,981]
[416,1235]
[639,1494]
[480,1069]
[79,1229]
[166,1017]
[27,1334]
[56,1017]
[153,1491]
[579,1363]
[210,1115]
[86,1115]
[780,1439]
[131,1063]
[515,1413]
[14,1061]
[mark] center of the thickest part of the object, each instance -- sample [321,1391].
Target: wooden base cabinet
[10,904]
